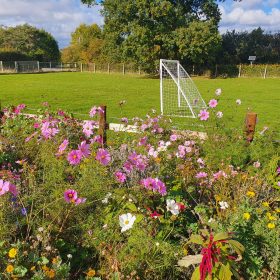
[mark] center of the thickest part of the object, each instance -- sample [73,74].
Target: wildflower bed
[149,205]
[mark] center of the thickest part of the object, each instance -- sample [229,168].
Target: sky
[61,17]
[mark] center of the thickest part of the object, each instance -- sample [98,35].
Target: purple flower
[103,156]
[120,177]
[62,147]
[213,103]
[49,129]
[155,185]
[203,115]
[84,149]
[143,141]
[201,175]
[128,167]
[23,211]
[173,137]
[88,127]
[4,187]
[74,157]
[70,196]
[124,120]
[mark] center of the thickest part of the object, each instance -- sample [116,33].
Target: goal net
[178,94]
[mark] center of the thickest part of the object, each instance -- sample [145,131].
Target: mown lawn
[77,92]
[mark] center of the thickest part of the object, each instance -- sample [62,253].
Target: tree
[86,44]
[145,30]
[30,42]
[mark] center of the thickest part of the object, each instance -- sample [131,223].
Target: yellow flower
[32,268]
[265,204]
[45,268]
[246,216]
[91,272]
[277,210]
[54,260]
[9,268]
[271,225]
[50,273]
[272,218]
[251,193]
[12,253]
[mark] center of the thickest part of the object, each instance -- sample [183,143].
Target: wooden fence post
[103,124]
[239,71]
[123,71]
[250,125]
[1,66]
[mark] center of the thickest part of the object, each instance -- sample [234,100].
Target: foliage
[86,45]
[75,209]
[28,42]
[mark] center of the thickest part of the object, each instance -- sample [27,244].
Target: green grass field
[77,92]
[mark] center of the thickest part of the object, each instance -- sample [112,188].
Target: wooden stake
[250,123]
[103,124]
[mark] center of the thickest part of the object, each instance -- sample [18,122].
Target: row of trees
[25,42]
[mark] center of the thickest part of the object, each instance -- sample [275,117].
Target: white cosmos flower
[238,102]
[223,205]
[219,114]
[172,206]
[126,221]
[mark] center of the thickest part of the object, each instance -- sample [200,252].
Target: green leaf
[237,246]
[197,239]
[221,236]
[131,206]
[196,274]
[190,260]
[139,218]
[225,273]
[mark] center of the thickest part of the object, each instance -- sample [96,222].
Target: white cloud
[250,14]
[59,17]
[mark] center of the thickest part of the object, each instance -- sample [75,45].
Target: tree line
[25,42]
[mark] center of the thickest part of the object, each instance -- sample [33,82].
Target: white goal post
[179,95]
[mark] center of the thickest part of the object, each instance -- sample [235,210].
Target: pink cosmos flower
[88,127]
[74,157]
[4,187]
[36,125]
[203,115]
[80,200]
[49,129]
[103,156]
[257,164]
[84,149]
[155,185]
[120,177]
[218,175]
[124,120]
[173,137]
[96,139]
[94,110]
[213,103]
[19,108]
[278,170]
[201,175]
[143,141]
[70,196]
[128,167]
[62,147]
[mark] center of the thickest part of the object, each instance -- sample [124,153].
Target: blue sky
[61,17]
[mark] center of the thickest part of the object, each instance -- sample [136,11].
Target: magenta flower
[94,110]
[19,108]
[88,127]
[201,175]
[128,167]
[4,187]
[155,185]
[278,170]
[13,189]
[173,137]
[80,200]
[70,196]
[103,156]
[84,149]
[49,129]
[143,141]
[74,157]
[203,115]
[62,147]
[213,103]
[120,177]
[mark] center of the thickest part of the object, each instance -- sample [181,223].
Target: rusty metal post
[103,124]
[250,125]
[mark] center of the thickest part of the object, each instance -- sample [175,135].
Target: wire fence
[216,71]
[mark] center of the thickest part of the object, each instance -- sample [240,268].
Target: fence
[217,71]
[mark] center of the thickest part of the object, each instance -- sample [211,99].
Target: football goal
[179,95]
